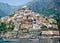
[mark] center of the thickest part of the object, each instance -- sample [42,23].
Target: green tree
[3,26]
[11,26]
[44,27]
[12,15]
[58,26]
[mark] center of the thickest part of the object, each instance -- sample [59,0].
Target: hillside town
[25,23]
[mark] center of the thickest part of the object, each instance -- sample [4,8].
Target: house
[16,28]
[31,18]
[52,26]
[26,21]
[24,17]
[52,21]
[27,12]
[49,26]
[35,26]
[4,19]
[50,33]
[24,26]
[20,16]
[55,26]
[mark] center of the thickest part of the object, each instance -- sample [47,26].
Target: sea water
[32,41]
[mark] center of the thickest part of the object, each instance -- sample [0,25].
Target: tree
[11,26]
[12,15]
[3,26]
[44,27]
[58,26]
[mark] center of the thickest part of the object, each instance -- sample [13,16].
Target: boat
[34,39]
[11,39]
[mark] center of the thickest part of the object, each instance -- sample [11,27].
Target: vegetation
[44,27]
[3,27]
[11,26]
[58,26]
[58,23]
[31,20]
[12,15]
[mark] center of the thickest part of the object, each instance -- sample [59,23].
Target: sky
[15,2]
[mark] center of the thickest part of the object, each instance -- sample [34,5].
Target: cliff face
[46,7]
[6,9]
